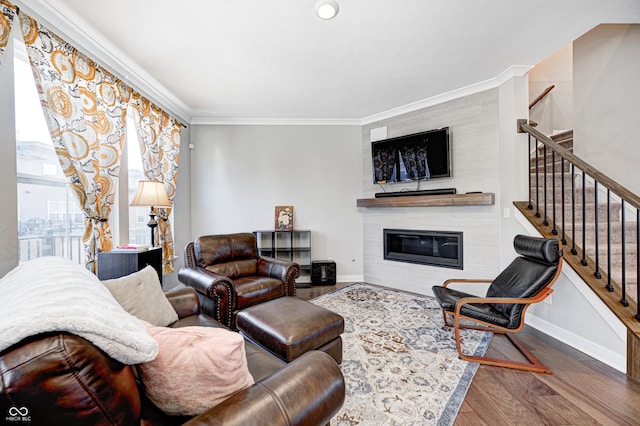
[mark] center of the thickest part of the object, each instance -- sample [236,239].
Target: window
[139,233]
[50,222]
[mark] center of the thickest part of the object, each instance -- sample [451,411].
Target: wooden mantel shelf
[482,199]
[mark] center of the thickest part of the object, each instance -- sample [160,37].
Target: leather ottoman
[288,327]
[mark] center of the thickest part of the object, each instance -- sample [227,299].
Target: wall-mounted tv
[421,156]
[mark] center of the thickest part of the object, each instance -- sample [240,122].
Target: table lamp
[151,194]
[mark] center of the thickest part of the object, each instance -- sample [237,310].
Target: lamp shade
[151,194]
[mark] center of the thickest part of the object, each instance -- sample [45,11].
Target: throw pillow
[141,295]
[196,368]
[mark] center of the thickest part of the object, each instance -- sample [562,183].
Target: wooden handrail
[596,174]
[542,95]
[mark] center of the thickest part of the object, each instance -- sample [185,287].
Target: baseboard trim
[349,278]
[596,351]
[599,352]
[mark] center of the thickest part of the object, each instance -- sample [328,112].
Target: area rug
[400,362]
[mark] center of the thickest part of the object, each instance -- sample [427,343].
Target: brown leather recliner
[229,275]
[61,378]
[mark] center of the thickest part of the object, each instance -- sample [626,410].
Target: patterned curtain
[7,12]
[85,107]
[159,138]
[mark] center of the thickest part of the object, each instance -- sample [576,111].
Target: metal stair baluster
[624,300]
[609,286]
[596,273]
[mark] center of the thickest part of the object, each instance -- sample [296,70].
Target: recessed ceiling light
[327,9]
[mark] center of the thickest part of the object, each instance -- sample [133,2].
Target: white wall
[606,98]
[513,164]
[8,208]
[473,126]
[239,173]
[555,111]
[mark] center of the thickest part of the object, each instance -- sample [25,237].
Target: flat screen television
[421,156]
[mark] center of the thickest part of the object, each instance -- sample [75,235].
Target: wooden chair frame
[533,364]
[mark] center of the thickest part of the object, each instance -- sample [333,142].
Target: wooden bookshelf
[481,199]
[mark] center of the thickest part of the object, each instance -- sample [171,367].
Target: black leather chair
[527,280]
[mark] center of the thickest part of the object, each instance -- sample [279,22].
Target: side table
[116,264]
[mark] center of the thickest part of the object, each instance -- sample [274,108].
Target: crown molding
[74,29]
[511,72]
[276,121]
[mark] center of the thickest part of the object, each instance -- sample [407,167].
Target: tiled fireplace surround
[473,125]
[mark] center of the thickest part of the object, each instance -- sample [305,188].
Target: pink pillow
[196,368]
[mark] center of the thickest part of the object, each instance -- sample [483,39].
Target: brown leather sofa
[63,379]
[229,275]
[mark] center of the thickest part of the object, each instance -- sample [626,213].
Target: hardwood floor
[581,390]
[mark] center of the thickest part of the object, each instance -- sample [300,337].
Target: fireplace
[435,248]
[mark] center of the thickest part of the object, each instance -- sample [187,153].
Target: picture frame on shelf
[284,218]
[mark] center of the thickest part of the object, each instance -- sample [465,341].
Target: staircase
[609,238]
[597,220]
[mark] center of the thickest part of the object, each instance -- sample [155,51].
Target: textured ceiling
[250,59]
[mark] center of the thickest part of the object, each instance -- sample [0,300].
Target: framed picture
[284,218]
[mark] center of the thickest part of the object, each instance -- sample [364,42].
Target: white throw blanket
[54,294]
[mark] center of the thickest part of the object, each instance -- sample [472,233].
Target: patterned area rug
[400,362]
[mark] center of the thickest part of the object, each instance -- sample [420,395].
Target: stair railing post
[638,263]
[584,220]
[564,235]
[596,273]
[554,230]
[623,300]
[537,181]
[545,222]
[530,206]
[609,286]
[573,210]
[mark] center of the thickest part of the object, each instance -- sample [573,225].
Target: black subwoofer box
[323,272]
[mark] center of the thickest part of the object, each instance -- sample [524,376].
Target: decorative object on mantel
[151,194]
[400,364]
[471,199]
[284,218]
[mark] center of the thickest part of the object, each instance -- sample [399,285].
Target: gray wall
[474,127]
[607,101]
[555,112]
[239,173]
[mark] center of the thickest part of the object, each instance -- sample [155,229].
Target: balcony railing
[34,246]
[67,246]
